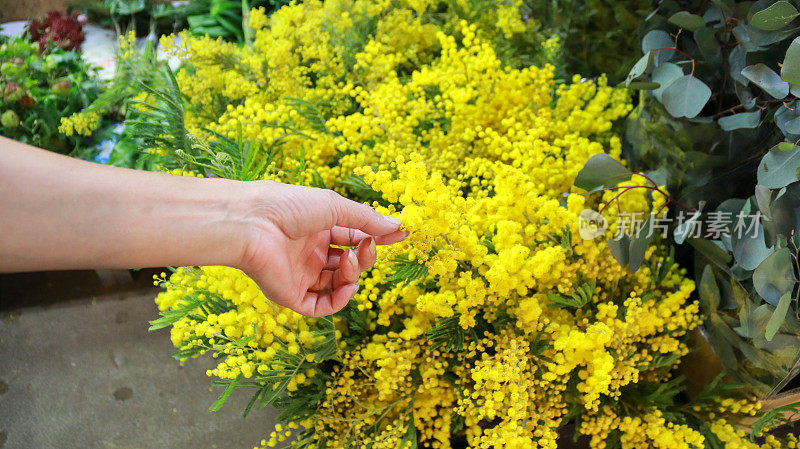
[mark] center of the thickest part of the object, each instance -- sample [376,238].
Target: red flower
[64,31]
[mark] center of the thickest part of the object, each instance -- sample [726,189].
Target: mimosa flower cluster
[493,323]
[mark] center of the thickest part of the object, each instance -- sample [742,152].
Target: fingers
[351,214]
[351,237]
[347,236]
[322,304]
[344,267]
[366,253]
[348,271]
[394,237]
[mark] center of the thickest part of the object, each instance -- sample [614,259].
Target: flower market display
[494,324]
[43,78]
[491,130]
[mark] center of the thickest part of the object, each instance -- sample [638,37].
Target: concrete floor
[87,374]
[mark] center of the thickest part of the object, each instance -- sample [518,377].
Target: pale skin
[59,213]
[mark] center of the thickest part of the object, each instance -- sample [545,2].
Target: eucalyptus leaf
[643,85]
[601,170]
[792,126]
[778,316]
[744,39]
[737,60]
[740,121]
[784,115]
[707,42]
[766,78]
[640,68]
[746,98]
[784,213]
[687,20]
[664,75]
[709,291]
[774,277]
[639,244]
[620,249]
[779,166]
[686,97]
[765,38]
[749,246]
[763,197]
[790,70]
[683,230]
[711,251]
[656,39]
[775,17]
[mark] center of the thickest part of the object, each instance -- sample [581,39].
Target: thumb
[351,214]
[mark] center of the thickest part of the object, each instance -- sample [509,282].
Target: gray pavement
[87,374]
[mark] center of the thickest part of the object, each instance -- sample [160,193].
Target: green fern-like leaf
[582,296]
[406,271]
[448,334]
[310,112]
[774,418]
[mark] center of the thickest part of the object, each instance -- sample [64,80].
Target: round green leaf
[687,20]
[775,17]
[766,78]
[685,97]
[779,166]
[737,59]
[792,126]
[790,71]
[664,75]
[708,44]
[740,121]
[656,39]
[601,170]
[749,249]
[774,277]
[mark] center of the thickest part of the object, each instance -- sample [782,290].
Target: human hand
[288,251]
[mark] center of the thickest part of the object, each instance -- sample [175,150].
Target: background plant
[215,18]
[38,89]
[493,322]
[715,121]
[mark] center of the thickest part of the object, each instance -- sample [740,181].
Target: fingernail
[394,221]
[373,250]
[353,289]
[351,256]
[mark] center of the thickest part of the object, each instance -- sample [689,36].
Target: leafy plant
[38,89]
[717,118]
[142,17]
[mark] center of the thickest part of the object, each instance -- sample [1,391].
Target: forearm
[61,213]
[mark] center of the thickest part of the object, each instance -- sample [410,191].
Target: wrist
[230,223]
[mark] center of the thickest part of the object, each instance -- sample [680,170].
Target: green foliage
[215,18]
[773,418]
[583,295]
[407,271]
[449,335]
[601,170]
[37,90]
[270,384]
[722,121]
[225,18]
[598,36]
[142,17]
